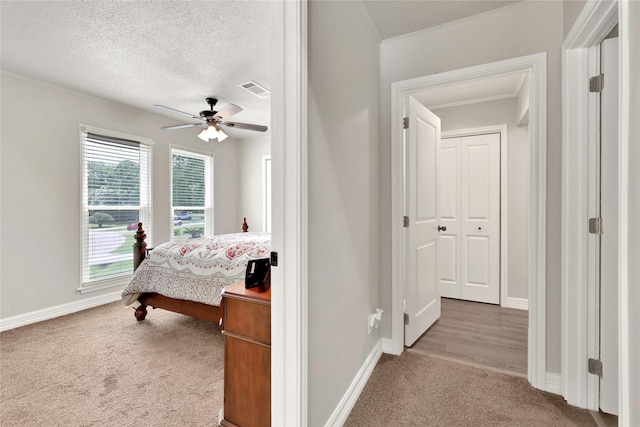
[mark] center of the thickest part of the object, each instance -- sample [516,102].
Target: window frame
[209,214]
[145,208]
[266,193]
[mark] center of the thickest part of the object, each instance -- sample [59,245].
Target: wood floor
[481,334]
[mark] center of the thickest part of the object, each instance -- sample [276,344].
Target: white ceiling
[397,17]
[487,89]
[174,53]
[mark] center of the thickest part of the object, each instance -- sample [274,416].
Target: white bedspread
[197,269]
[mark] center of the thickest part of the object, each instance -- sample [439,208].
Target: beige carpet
[418,390]
[101,367]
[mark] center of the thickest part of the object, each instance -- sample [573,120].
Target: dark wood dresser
[246,325]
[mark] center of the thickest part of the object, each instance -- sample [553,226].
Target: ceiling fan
[212,120]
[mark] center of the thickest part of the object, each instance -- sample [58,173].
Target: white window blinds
[116,195]
[191,194]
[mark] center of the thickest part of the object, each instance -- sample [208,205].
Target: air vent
[256,89]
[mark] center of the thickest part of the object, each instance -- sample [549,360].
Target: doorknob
[442,228]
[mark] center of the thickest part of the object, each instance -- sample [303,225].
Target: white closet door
[449,197]
[470,209]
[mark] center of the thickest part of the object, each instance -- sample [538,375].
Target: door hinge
[405,123]
[596,83]
[595,367]
[273,259]
[405,221]
[595,226]
[406,319]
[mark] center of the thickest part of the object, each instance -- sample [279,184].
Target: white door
[422,298]
[469,194]
[449,198]
[609,237]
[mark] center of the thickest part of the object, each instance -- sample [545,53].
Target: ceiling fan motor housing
[207,114]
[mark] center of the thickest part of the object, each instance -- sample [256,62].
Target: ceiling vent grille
[256,89]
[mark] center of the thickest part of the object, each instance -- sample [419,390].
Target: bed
[188,276]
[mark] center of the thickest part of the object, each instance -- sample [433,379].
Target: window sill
[105,284]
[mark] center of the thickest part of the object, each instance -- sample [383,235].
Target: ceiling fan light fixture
[212,132]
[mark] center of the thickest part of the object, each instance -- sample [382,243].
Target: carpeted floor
[101,367]
[418,390]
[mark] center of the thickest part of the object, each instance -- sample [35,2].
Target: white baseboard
[57,311]
[387,346]
[553,383]
[518,303]
[349,399]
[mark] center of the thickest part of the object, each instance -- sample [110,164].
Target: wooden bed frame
[198,310]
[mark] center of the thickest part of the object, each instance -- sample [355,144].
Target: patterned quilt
[197,269]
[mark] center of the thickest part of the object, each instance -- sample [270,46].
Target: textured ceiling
[141,53]
[174,53]
[397,17]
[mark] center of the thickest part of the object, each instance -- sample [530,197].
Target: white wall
[344,227]
[41,187]
[250,180]
[495,113]
[526,28]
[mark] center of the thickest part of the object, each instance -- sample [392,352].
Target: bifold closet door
[470,209]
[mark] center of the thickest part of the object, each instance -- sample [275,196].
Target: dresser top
[238,291]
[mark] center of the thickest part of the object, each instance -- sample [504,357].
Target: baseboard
[553,383]
[349,399]
[57,311]
[387,346]
[518,303]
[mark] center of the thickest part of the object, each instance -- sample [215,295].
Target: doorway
[581,200]
[535,65]
[476,177]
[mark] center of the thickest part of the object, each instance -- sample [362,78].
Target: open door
[608,276]
[422,140]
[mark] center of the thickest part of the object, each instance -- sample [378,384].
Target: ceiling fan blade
[228,111]
[173,110]
[246,126]
[189,125]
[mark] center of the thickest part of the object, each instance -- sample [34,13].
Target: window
[266,203]
[191,194]
[116,195]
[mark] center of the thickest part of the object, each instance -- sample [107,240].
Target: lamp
[212,132]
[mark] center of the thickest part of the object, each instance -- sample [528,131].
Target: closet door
[449,198]
[470,202]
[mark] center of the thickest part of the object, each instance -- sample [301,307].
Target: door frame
[289,308]
[580,330]
[504,206]
[536,65]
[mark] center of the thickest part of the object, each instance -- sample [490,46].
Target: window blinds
[116,195]
[191,194]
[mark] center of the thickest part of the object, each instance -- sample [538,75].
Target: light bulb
[212,132]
